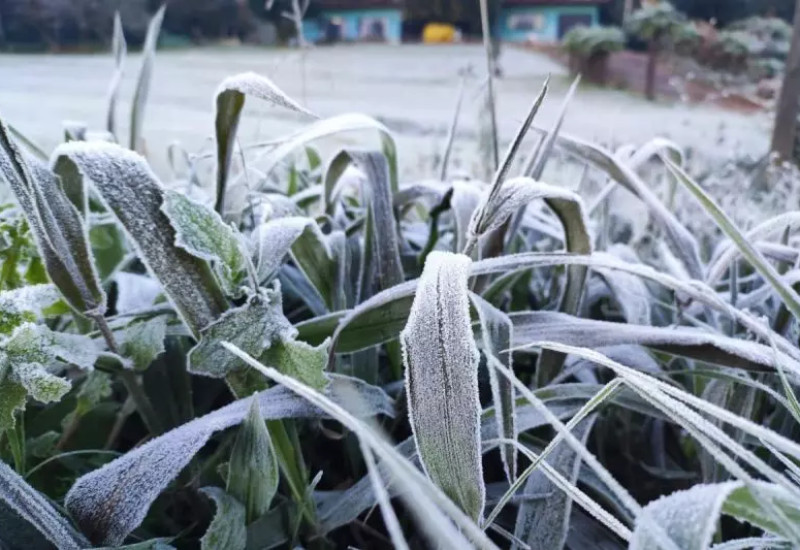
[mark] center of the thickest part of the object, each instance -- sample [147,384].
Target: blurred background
[705,73]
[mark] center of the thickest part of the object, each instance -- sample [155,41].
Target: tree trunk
[652,66]
[789,100]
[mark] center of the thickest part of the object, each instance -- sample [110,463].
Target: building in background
[356,20]
[544,20]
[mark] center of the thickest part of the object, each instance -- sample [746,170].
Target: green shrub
[590,41]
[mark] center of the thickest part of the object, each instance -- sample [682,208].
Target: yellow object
[438,33]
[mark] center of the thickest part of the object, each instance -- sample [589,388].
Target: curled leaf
[57,226]
[133,193]
[272,241]
[384,268]
[227,530]
[689,518]
[119,49]
[442,381]
[230,101]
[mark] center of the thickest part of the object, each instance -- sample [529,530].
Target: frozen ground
[410,88]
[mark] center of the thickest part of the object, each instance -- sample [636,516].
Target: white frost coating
[112,501]
[255,85]
[202,233]
[29,299]
[688,517]
[131,190]
[727,251]
[441,361]
[272,241]
[464,201]
[514,194]
[135,292]
[630,291]
[496,337]
[43,344]
[228,528]
[549,326]
[543,524]
[320,129]
[23,501]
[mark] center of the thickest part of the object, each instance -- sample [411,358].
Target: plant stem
[132,382]
[16,442]
[490,67]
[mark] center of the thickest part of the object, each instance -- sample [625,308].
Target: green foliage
[446,343]
[591,41]
[661,25]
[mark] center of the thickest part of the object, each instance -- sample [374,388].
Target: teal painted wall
[314,29]
[547,19]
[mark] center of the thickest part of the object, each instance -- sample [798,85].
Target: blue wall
[546,17]
[314,29]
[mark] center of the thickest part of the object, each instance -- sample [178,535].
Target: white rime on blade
[441,361]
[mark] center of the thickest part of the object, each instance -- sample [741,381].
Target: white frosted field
[412,88]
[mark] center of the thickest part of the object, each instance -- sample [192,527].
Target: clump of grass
[300,338]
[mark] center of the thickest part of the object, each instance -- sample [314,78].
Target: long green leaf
[442,381]
[788,295]
[60,232]
[28,520]
[230,101]
[430,505]
[119,49]
[496,337]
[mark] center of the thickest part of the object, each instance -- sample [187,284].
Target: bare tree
[783,136]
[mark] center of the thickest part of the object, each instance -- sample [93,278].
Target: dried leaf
[442,381]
